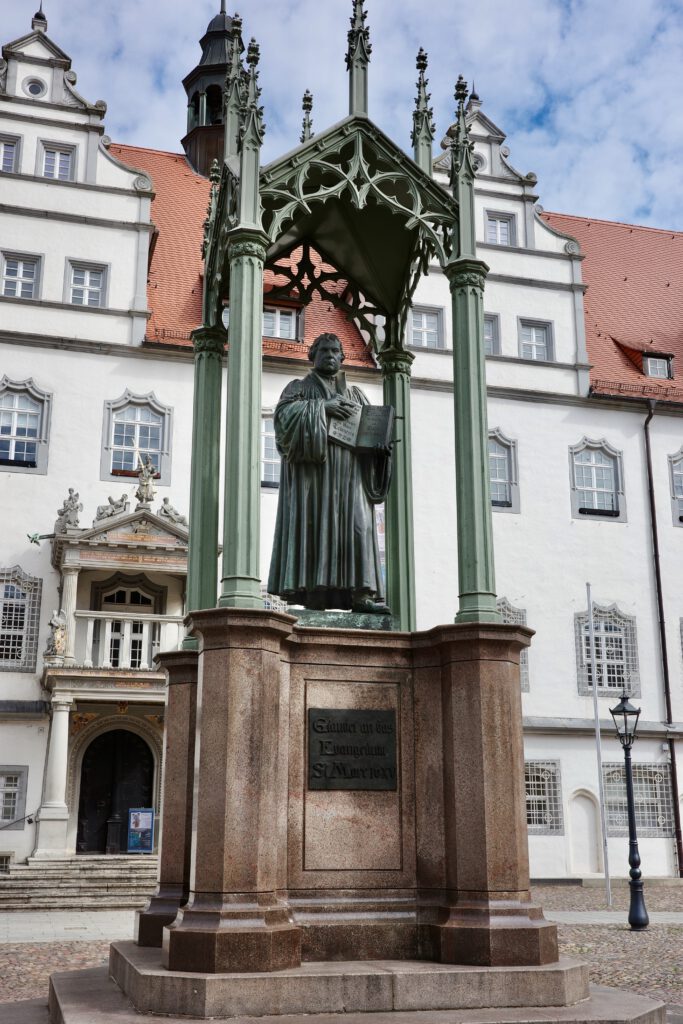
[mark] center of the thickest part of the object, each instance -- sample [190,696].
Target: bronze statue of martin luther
[325,552]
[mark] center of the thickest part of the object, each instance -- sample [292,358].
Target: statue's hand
[339,408]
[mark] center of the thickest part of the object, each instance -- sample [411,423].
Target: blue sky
[588,91]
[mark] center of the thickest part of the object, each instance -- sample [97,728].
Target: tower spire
[422,135]
[357,60]
[307,125]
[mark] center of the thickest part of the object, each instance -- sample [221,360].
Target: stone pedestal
[470,673]
[176,798]
[433,866]
[237,917]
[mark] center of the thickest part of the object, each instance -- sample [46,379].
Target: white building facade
[85,393]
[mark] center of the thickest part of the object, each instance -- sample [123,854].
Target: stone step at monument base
[79,883]
[91,997]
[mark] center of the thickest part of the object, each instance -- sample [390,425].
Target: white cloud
[587,90]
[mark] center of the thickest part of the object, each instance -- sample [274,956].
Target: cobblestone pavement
[650,962]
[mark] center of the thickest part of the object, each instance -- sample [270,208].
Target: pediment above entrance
[138,538]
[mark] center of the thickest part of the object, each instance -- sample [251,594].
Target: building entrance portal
[117,773]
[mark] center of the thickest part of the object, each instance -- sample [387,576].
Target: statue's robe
[325,552]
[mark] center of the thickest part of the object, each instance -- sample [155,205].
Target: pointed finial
[214,172]
[307,125]
[463,172]
[39,20]
[474,95]
[223,10]
[253,53]
[357,60]
[251,112]
[214,178]
[233,97]
[422,134]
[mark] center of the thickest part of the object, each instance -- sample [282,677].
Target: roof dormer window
[657,366]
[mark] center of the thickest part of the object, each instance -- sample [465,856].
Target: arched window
[597,481]
[503,472]
[616,652]
[19,620]
[24,425]
[136,426]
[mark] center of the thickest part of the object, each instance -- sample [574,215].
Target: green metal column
[466,275]
[241,581]
[202,559]
[400,555]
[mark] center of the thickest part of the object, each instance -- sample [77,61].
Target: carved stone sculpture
[146,490]
[56,642]
[114,507]
[325,552]
[169,511]
[67,515]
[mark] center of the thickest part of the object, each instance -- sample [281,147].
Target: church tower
[204,87]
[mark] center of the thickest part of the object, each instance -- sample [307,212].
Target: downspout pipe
[651,403]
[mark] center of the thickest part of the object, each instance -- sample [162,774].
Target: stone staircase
[85,882]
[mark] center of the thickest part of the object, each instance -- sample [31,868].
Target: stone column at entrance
[69,589]
[176,798]
[54,813]
[236,918]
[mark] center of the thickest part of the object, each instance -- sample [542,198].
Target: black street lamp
[626,722]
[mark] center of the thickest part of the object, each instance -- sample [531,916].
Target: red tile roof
[174,287]
[633,303]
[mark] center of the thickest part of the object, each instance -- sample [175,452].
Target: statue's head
[327,354]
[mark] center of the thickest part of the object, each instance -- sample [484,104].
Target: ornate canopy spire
[307,107]
[422,135]
[357,60]
[463,173]
[251,137]
[233,97]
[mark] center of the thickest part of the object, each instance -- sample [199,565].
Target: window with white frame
[86,285]
[13,779]
[516,617]
[543,788]
[20,275]
[491,335]
[500,228]
[19,620]
[24,424]
[426,328]
[270,457]
[652,797]
[280,323]
[503,476]
[535,340]
[597,480]
[616,652]
[57,162]
[9,154]
[136,426]
[676,477]
[657,366]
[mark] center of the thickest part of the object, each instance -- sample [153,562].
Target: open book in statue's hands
[367,430]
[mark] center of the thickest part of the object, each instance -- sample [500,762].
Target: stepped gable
[174,288]
[633,303]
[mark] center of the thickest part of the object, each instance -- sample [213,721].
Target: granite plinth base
[161,911]
[376,986]
[497,933]
[344,620]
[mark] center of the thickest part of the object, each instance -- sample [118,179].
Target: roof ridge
[148,149]
[614,223]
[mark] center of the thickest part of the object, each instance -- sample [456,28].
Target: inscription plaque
[351,749]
